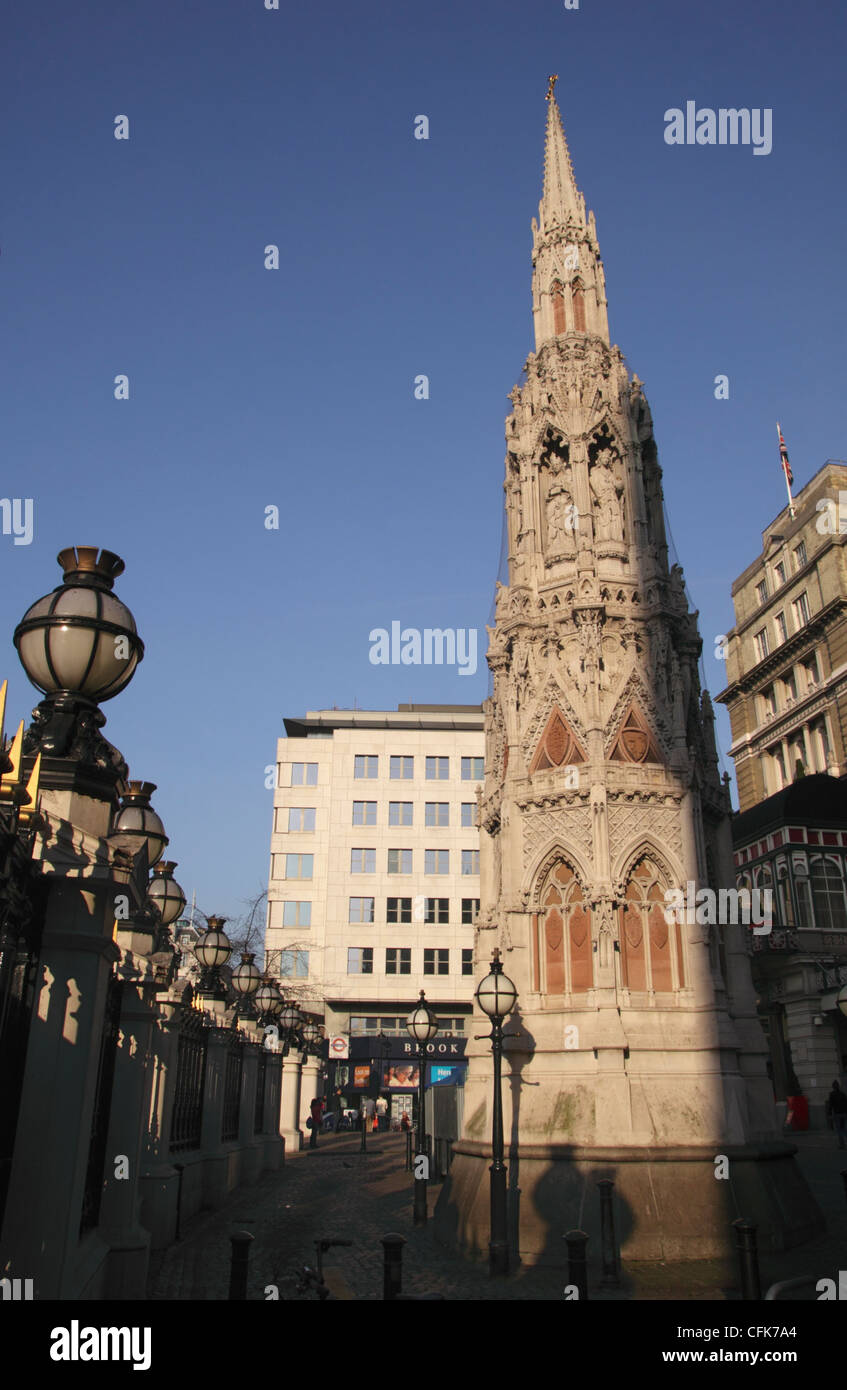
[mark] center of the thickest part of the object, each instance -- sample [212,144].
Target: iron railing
[187,1112]
[232,1091]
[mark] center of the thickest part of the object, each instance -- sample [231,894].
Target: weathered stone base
[668,1205]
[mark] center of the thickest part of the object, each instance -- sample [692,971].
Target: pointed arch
[635,742]
[558,745]
[578,300]
[557,294]
[652,951]
[562,958]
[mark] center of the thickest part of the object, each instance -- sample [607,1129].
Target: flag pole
[783,453]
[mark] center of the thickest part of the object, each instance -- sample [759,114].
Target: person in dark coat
[836,1110]
[316,1110]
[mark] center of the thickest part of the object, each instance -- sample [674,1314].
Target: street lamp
[423,1026]
[497,996]
[269,1001]
[138,824]
[165,894]
[212,951]
[245,980]
[79,646]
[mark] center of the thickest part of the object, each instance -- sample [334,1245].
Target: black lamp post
[497,996]
[423,1026]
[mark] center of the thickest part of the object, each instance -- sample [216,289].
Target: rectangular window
[761,640]
[436,962]
[473,769]
[810,671]
[398,910]
[467,961]
[364,813]
[781,628]
[363,861]
[470,861]
[800,555]
[398,960]
[437,769]
[470,909]
[294,964]
[789,685]
[296,914]
[401,769]
[298,865]
[762,592]
[779,570]
[301,818]
[437,911]
[361,910]
[437,813]
[365,765]
[399,861]
[769,702]
[399,813]
[436,861]
[801,611]
[468,814]
[304,774]
[360,960]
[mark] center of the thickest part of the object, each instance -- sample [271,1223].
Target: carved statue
[559,518]
[608,519]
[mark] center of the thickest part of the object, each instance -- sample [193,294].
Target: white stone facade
[358,870]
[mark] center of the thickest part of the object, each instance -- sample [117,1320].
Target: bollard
[611,1276]
[408,1151]
[748,1259]
[392,1265]
[577,1243]
[240,1242]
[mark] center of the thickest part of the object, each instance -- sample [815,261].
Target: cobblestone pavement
[335,1191]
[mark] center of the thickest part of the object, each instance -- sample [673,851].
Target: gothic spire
[562,199]
[568,285]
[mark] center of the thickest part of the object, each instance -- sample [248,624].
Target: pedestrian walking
[370,1113]
[339,1105]
[316,1110]
[382,1112]
[836,1111]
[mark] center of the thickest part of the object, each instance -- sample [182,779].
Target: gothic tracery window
[651,948]
[563,963]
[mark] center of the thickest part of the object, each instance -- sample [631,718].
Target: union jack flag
[783,454]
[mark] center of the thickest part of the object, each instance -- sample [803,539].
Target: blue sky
[294,388]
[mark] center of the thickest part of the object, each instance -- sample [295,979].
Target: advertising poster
[361,1077]
[404,1075]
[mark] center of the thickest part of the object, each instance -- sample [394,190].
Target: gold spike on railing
[3,689]
[28,811]
[8,779]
